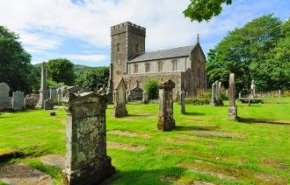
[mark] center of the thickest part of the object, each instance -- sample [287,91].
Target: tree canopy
[15,69]
[200,10]
[61,71]
[259,51]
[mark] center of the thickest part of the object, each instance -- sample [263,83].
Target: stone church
[183,65]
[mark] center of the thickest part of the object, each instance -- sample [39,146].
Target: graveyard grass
[205,146]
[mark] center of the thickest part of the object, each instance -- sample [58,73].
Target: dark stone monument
[136,93]
[182,102]
[120,109]
[232,104]
[48,104]
[43,92]
[86,162]
[165,116]
[4,96]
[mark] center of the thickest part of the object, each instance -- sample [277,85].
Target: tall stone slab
[4,96]
[59,95]
[53,94]
[18,102]
[253,89]
[43,92]
[145,98]
[232,105]
[120,109]
[182,102]
[86,162]
[166,121]
[213,95]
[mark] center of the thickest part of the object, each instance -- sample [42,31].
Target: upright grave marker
[43,92]
[182,101]
[232,104]
[86,162]
[165,116]
[145,98]
[18,100]
[120,109]
[53,94]
[4,96]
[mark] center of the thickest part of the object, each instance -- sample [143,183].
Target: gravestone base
[165,123]
[233,113]
[120,111]
[97,171]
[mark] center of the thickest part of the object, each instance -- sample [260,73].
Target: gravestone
[136,93]
[253,89]
[145,98]
[48,104]
[43,92]
[120,109]
[232,104]
[182,102]
[4,96]
[213,95]
[219,94]
[165,116]
[18,100]
[53,94]
[59,95]
[86,161]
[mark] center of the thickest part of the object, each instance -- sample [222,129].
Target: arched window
[160,66]
[135,68]
[174,64]
[147,67]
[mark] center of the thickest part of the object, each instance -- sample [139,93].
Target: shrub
[151,87]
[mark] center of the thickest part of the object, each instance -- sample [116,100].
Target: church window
[118,47]
[174,64]
[147,67]
[160,66]
[135,68]
[137,48]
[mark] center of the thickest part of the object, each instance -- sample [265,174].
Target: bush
[151,87]
[202,99]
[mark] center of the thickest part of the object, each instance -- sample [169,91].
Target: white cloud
[90,21]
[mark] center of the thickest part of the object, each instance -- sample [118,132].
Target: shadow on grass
[11,155]
[139,115]
[194,114]
[156,177]
[194,128]
[256,121]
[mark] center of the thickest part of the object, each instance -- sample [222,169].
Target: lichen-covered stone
[18,100]
[165,116]
[4,96]
[182,102]
[232,105]
[120,109]
[87,162]
[48,104]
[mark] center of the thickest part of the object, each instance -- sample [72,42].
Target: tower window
[174,64]
[147,67]
[160,66]
[118,47]
[135,68]
[136,48]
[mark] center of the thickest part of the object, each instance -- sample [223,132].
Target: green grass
[229,152]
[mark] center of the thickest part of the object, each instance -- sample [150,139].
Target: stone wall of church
[167,65]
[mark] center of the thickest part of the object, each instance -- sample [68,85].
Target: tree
[151,87]
[247,52]
[61,71]
[93,79]
[16,69]
[199,10]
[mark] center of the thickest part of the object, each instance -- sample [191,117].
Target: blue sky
[80,29]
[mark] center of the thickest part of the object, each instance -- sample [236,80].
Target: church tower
[127,42]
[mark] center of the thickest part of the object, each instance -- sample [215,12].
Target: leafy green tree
[93,79]
[151,87]
[246,52]
[200,10]
[15,66]
[61,71]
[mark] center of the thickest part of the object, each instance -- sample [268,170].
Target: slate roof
[162,54]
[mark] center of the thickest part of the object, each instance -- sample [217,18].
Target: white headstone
[4,96]
[18,100]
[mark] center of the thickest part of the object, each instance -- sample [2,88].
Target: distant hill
[77,67]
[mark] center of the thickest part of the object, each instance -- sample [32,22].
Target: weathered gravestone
[48,104]
[253,89]
[145,98]
[59,95]
[136,93]
[165,116]
[18,100]
[4,96]
[43,92]
[86,162]
[216,99]
[53,94]
[182,102]
[232,104]
[213,96]
[120,109]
